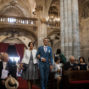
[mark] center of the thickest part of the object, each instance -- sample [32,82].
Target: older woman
[29,64]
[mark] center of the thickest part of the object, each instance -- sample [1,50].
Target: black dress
[83,66]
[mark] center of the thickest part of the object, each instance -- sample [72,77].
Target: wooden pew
[76,79]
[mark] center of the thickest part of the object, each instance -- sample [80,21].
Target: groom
[44,54]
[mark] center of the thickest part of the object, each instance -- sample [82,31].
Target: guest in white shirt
[3,70]
[6,69]
[58,70]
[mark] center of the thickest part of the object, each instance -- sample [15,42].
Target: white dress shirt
[5,72]
[45,48]
[56,68]
[4,65]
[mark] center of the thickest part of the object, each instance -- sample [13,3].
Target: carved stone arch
[23,34]
[12,38]
[17,40]
[26,14]
[15,8]
[12,11]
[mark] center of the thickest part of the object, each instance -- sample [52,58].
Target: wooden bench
[76,79]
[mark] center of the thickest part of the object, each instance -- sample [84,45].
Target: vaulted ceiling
[21,7]
[26,7]
[83,8]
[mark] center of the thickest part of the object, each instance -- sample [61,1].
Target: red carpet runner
[23,84]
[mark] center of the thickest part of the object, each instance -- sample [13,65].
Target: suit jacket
[27,55]
[10,67]
[67,66]
[47,55]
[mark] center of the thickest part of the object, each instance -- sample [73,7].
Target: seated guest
[59,54]
[77,61]
[5,70]
[82,64]
[58,70]
[71,65]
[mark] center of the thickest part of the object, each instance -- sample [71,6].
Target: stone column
[42,27]
[70,42]
[76,40]
[42,32]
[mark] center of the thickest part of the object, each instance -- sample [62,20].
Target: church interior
[63,22]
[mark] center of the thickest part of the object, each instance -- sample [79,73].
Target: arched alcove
[17,35]
[12,11]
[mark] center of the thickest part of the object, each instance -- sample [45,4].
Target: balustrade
[18,20]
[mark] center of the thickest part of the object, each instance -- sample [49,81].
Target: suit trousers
[44,73]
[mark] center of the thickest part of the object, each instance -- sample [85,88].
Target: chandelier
[51,21]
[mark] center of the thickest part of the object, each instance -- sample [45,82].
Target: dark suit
[44,66]
[11,69]
[70,66]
